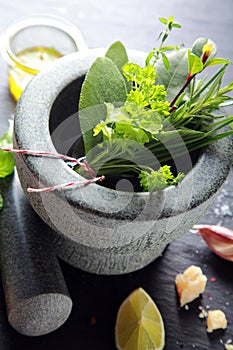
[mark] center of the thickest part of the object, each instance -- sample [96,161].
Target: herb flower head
[207,51]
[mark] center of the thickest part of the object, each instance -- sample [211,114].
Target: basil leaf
[7,162]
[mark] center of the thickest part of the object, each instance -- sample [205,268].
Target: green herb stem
[187,82]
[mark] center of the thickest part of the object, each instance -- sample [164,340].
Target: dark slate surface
[97,298]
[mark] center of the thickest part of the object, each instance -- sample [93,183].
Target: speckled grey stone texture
[36,295]
[98,229]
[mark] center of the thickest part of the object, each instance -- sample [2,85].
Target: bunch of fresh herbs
[132,116]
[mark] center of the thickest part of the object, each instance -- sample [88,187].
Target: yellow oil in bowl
[20,74]
[30,43]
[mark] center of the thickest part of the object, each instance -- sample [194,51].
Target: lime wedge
[139,324]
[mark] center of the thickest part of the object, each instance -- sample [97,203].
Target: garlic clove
[218,238]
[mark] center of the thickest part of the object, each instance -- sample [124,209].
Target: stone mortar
[98,229]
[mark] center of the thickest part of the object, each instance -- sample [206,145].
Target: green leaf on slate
[103,83]
[7,162]
[175,77]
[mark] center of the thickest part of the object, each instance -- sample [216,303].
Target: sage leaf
[175,77]
[117,53]
[103,83]
[7,162]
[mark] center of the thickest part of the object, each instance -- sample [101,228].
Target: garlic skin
[218,238]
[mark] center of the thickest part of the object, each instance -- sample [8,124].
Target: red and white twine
[66,185]
[80,161]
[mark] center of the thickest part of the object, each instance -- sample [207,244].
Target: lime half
[139,324]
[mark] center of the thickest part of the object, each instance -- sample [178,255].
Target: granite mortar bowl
[94,228]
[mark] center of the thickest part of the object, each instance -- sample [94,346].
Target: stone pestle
[37,299]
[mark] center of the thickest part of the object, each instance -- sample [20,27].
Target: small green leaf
[170,26]
[176,25]
[149,57]
[165,36]
[215,61]
[169,48]
[102,127]
[127,131]
[165,61]
[163,20]
[117,53]
[171,19]
[7,162]
[180,98]
[195,63]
